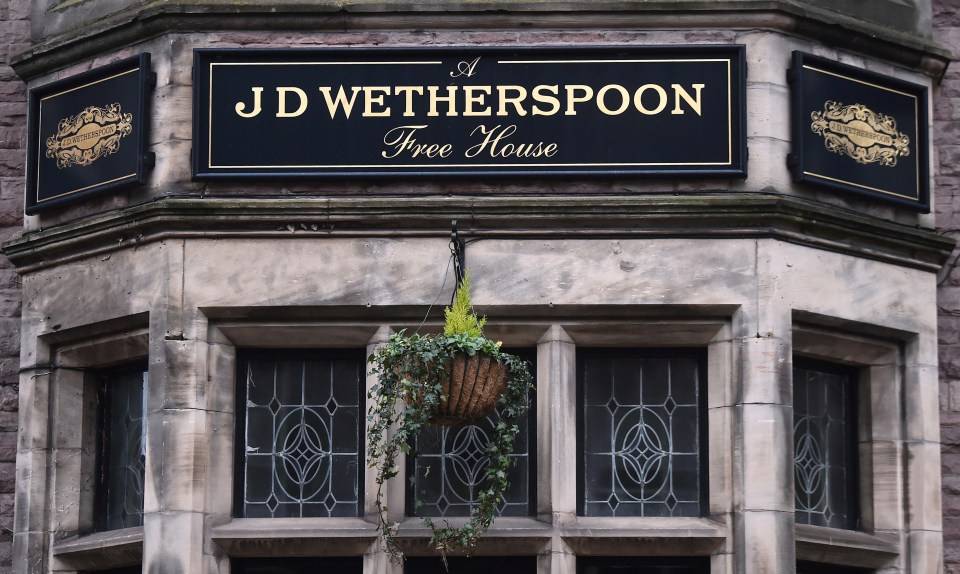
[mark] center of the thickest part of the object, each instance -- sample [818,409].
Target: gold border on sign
[37,200]
[476,165]
[916,128]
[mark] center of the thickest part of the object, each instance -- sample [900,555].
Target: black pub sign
[655,111]
[858,131]
[88,133]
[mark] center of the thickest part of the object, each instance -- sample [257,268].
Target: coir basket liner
[472,385]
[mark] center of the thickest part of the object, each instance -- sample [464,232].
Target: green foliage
[410,371]
[460,318]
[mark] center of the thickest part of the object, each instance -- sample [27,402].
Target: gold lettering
[88,139]
[552,100]
[624,99]
[282,105]
[638,99]
[472,99]
[401,139]
[476,100]
[257,92]
[341,101]
[573,99]
[450,99]
[408,92]
[517,101]
[679,92]
[369,100]
[494,144]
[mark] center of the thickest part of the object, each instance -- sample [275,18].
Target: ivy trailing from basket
[414,374]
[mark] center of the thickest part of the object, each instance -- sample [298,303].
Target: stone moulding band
[131,26]
[751,215]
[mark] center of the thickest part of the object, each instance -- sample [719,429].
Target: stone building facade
[187,295]
[945,32]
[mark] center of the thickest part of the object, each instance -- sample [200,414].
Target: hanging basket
[444,380]
[472,385]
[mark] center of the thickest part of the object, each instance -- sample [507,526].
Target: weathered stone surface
[946,100]
[14,32]
[259,282]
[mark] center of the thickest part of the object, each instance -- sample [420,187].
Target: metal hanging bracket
[458,249]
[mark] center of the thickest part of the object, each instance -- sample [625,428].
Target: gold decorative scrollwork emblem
[86,137]
[860,133]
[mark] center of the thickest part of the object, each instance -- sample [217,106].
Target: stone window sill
[669,536]
[844,547]
[251,537]
[507,536]
[111,549]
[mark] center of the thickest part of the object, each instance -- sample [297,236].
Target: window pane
[339,565]
[818,568]
[628,565]
[122,458]
[471,565]
[824,436]
[301,435]
[640,433]
[448,470]
[126,570]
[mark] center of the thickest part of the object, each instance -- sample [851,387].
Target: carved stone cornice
[153,18]
[713,216]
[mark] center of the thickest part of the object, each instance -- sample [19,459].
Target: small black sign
[88,133]
[859,131]
[469,111]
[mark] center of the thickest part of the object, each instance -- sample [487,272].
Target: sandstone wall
[14,31]
[946,116]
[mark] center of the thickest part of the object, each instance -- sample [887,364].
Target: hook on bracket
[458,249]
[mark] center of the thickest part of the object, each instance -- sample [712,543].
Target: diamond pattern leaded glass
[301,436]
[123,459]
[640,433]
[824,464]
[447,472]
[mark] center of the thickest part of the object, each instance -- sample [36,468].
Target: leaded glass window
[642,565]
[641,419]
[122,451]
[447,471]
[825,445]
[300,434]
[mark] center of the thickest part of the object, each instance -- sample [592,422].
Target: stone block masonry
[14,30]
[14,37]
[946,98]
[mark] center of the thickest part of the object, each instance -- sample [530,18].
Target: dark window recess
[446,474]
[125,570]
[119,497]
[338,565]
[825,445]
[299,434]
[653,565]
[818,568]
[472,565]
[642,432]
